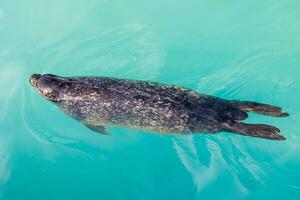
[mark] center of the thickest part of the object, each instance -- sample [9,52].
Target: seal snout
[34,78]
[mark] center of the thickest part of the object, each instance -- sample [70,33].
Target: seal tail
[264,109]
[253,130]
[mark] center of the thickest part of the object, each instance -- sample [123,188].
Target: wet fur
[105,101]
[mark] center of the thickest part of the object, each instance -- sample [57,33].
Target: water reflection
[187,152]
[10,75]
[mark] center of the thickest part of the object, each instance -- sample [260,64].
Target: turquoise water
[248,50]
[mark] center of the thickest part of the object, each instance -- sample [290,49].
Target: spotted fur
[146,105]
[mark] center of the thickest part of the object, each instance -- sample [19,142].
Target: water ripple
[202,175]
[228,81]
[131,50]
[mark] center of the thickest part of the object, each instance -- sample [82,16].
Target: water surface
[247,50]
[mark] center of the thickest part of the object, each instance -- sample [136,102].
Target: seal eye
[51,95]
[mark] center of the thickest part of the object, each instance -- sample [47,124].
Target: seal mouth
[34,79]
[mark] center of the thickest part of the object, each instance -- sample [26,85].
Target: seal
[98,102]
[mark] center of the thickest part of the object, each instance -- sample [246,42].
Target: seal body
[104,101]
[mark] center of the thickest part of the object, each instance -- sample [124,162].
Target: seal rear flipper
[234,114]
[260,108]
[253,130]
[98,129]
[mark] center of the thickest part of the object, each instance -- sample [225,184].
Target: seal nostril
[34,78]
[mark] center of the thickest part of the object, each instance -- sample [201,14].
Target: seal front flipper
[98,129]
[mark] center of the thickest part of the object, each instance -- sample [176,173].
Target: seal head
[48,85]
